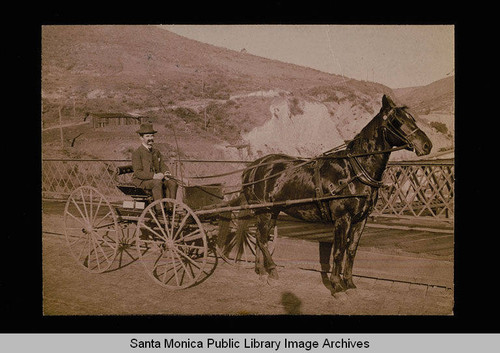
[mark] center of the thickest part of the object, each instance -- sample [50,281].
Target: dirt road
[69,290]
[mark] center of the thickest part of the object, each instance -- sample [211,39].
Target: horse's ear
[387,102]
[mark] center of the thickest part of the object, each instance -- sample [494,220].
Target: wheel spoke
[103,218]
[156,262]
[168,269]
[181,225]
[94,244]
[78,208]
[239,248]
[184,266]
[188,258]
[84,204]
[190,246]
[76,219]
[173,218]
[153,231]
[165,220]
[196,234]
[179,252]
[97,210]
[173,266]
[164,235]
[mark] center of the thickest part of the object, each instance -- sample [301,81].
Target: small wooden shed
[107,119]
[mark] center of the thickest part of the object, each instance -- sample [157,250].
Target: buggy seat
[127,187]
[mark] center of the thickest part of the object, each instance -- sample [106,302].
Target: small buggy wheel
[91,229]
[236,243]
[172,244]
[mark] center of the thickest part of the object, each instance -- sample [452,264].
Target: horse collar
[362,174]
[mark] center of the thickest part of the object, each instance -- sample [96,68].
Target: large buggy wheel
[172,244]
[91,229]
[236,239]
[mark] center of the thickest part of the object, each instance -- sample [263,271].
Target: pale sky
[394,55]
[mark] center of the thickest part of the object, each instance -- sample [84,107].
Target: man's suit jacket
[146,164]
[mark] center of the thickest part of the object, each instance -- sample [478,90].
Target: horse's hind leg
[325,251]
[354,236]
[340,232]
[265,222]
[260,268]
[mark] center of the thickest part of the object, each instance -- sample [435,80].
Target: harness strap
[323,206]
[361,172]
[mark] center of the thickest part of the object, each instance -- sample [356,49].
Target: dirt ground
[69,290]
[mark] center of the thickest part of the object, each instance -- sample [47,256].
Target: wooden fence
[423,189]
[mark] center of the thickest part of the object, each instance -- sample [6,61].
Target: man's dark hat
[146,128]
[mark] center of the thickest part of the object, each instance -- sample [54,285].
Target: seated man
[150,170]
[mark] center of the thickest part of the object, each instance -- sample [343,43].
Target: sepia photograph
[248,170]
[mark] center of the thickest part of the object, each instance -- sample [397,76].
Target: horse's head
[401,128]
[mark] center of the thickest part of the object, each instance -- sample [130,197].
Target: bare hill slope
[437,97]
[206,96]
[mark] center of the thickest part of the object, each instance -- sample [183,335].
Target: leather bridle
[389,125]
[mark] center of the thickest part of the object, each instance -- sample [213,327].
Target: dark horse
[355,170]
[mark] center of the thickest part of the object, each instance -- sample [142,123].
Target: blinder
[397,127]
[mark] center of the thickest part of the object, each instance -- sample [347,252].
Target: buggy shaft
[220,208]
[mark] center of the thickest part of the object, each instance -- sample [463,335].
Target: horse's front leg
[341,229]
[354,237]
[325,252]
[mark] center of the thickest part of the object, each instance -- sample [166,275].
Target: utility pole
[205,116]
[205,107]
[60,127]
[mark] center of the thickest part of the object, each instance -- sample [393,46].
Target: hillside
[434,103]
[202,97]
[437,97]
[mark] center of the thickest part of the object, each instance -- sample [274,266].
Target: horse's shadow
[291,303]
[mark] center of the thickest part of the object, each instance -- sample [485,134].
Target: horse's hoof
[273,274]
[349,284]
[260,271]
[337,288]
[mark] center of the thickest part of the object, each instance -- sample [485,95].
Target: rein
[388,150]
[334,153]
[306,160]
[360,171]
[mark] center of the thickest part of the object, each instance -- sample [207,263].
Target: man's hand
[158,176]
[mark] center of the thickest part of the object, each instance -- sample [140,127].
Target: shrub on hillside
[440,127]
[325,94]
[186,114]
[295,108]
